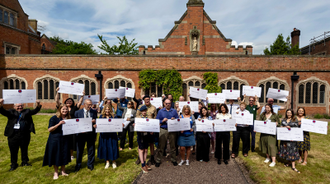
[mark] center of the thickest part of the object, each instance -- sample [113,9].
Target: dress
[288,149]
[267,143]
[187,138]
[203,145]
[57,151]
[306,144]
[108,146]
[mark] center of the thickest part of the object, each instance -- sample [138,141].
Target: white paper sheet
[216,98]
[265,127]
[204,125]
[198,93]
[71,88]
[95,98]
[193,105]
[277,94]
[243,118]
[109,125]
[224,125]
[129,92]
[77,125]
[177,125]
[320,127]
[251,91]
[292,134]
[115,93]
[157,102]
[14,96]
[231,94]
[146,125]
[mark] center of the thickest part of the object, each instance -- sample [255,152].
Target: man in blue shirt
[164,115]
[123,103]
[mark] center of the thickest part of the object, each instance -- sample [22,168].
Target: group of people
[59,148]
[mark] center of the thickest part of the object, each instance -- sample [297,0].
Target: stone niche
[194,40]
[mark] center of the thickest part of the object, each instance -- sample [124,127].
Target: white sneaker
[72,157]
[180,164]
[187,162]
[272,164]
[114,165]
[267,160]
[107,165]
[201,160]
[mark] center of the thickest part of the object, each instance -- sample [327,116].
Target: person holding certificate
[120,103]
[105,101]
[163,115]
[72,107]
[243,132]
[267,143]
[108,142]
[186,138]
[89,137]
[203,139]
[288,149]
[57,152]
[128,115]
[213,113]
[304,146]
[222,138]
[18,129]
[143,141]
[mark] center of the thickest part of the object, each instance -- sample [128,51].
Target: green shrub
[326,116]
[318,116]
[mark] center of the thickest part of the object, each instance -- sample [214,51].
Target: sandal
[233,155]
[295,170]
[286,165]
[304,163]
[245,155]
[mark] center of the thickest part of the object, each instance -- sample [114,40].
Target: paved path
[196,172]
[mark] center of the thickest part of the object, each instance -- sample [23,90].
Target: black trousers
[19,140]
[222,139]
[123,137]
[203,146]
[253,136]
[81,140]
[244,134]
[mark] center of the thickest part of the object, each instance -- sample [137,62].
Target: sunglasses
[167,103]
[251,100]
[129,104]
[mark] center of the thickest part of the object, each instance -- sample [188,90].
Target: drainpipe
[99,76]
[294,78]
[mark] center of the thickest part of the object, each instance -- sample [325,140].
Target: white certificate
[292,134]
[224,125]
[320,127]
[265,127]
[177,125]
[109,125]
[216,98]
[243,118]
[95,98]
[198,93]
[193,105]
[204,125]
[18,96]
[71,88]
[129,92]
[251,91]
[277,94]
[78,125]
[146,125]
[115,93]
[126,123]
[231,94]
[157,102]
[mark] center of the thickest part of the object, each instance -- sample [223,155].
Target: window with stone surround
[118,81]
[46,87]
[272,82]
[193,81]
[11,48]
[90,85]
[312,91]
[12,82]
[234,83]
[8,16]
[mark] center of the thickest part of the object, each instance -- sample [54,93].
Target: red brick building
[43,72]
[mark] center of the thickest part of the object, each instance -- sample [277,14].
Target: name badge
[254,109]
[17,126]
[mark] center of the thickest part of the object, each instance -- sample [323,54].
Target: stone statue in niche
[195,44]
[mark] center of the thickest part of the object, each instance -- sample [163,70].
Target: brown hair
[225,106]
[110,108]
[292,117]
[271,109]
[302,109]
[186,107]
[242,103]
[59,114]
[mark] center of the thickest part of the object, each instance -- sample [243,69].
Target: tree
[71,47]
[281,47]
[124,48]
[211,80]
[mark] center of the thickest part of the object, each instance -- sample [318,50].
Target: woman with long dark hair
[203,138]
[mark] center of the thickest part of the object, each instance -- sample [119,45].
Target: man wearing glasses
[164,115]
[276,108]
[253,110]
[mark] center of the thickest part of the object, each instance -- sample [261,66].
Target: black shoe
[164,154]
[252,150]
[175,163]
[91,168]
[226,162]
[25,164]
[152,161]
[13,167]
[77,169]
[219,161]
[157,164]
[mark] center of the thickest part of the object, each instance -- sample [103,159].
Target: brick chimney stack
[295,35]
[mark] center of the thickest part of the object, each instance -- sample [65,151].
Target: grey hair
[86,100]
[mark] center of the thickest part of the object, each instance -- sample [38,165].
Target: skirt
[143,140]
[108,146]
[186,140]
[267,144]
[306,144]
[289,150]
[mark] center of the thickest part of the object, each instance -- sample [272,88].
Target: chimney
[295,35]
[34,24]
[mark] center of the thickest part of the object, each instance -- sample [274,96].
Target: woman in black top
[57,152]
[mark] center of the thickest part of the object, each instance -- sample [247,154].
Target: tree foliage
[211,80]
[124,47]
[170,80]
[281,47]
[71,47]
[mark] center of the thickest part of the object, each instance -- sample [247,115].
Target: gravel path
[196,172]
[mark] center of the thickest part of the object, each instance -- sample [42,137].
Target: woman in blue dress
[186,138]
[108,142]
[57,151]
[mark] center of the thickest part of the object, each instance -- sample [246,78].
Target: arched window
[90,85]
[272,82]
[46,87]
[312,91]
[234,83]
[118,81]
[12,82]
[193,81]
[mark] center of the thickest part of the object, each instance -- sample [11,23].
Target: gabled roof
[51,41]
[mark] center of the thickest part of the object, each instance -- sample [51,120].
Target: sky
[246,22]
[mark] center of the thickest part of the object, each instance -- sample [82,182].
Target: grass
[316,171]
[126,171]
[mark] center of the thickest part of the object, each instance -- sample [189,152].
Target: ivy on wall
[211,80]
[170,80]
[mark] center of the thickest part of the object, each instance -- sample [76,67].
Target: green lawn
[126,171]
[317,169]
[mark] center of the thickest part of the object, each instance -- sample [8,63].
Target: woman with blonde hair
[108,142]
[57,151]
[186,138]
